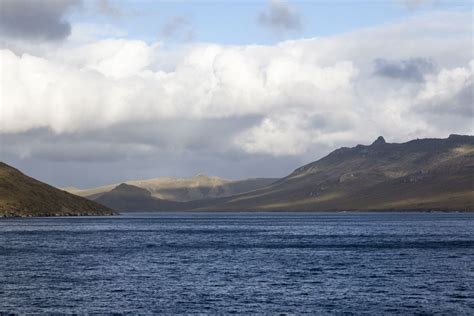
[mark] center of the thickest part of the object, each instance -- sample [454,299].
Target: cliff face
[21,195]
[424,174]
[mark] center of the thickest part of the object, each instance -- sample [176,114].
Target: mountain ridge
[423,174]
[418,175]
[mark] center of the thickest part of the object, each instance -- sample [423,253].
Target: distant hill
[423,174]
[130,198]
[184,189]
[21,195]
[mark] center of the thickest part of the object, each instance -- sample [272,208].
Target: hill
[420,175]
[184,189]
[21,195]
[130,198]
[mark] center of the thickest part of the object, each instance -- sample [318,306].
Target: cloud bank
[223,107]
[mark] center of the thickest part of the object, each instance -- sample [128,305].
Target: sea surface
[374,263]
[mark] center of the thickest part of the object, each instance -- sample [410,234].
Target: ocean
[394,263]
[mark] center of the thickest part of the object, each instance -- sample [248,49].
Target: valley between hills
[419,175]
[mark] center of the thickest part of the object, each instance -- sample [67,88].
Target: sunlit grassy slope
[183,189]
[423,174]
[21,195]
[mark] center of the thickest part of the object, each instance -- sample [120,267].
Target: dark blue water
[243,263]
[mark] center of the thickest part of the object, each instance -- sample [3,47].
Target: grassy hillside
[184,189]
[420,175]
[21,195]
[424,174]
[129,198]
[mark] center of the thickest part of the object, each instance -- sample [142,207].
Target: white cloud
[114,58]
[447,100]
[447,83]
[300,94]
[294,132]
[89,32]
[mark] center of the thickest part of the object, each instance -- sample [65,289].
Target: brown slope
[129,198]
[21,195]
[420,175]
[198,187]
[185,189]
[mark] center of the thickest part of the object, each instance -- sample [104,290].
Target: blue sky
[236,22]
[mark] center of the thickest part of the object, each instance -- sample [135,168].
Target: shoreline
[286,212]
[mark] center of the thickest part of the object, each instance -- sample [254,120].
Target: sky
[94,92]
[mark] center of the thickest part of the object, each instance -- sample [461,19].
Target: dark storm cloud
[279,16]
[35,19]
[413,69]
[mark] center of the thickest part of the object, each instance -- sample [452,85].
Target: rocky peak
[379,141]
